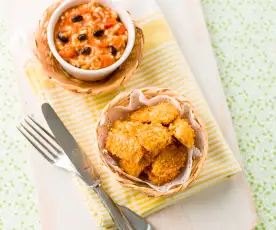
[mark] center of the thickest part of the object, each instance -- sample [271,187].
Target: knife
[123,217]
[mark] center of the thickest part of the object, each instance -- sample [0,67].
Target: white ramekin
[90,75]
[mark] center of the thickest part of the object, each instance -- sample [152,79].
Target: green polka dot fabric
[243,35]
[18,206]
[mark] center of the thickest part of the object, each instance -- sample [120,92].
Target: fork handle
[120,220]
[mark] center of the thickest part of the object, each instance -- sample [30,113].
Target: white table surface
[227,205]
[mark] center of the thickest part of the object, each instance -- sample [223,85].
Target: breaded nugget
[169,161]
[126,126]
[153,137]
[183,132]
[124,146]
[150,156]
[156,180]
[163,112]
[134,169]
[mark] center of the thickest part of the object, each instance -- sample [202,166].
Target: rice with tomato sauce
[90,36]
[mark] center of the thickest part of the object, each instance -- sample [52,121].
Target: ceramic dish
[66,7]
[59,75]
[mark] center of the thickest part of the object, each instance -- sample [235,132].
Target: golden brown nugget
[156,180]
[183,132]
[134,169]
[154,137]
[126,126]
[169,161]
[163,112]
[124,146]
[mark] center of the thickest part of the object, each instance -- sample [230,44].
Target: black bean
[86,50]
[98,33]
[118,19]
[113,50]
[77,18]
[62,37]
[82,37]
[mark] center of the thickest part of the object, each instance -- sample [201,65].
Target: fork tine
[39,133]
[33,144]
[49,134]
[49,151]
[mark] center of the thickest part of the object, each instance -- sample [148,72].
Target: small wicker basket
[56,73]
[123,100]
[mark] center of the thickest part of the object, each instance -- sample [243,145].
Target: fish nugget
[134,169]
[183,132]
[157,180]
[169,161]
[124,146]
[163,112]
[126,126]
[154,137]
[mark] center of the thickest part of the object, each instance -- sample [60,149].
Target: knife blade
[63,137]
[68,143]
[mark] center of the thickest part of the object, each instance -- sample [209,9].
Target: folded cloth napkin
[163,66]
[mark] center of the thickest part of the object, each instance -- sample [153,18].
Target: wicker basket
[123,99]
[56,73]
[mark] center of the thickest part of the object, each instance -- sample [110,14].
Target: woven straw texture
[56,73]
[198,162]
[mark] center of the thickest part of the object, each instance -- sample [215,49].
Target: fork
[48,147]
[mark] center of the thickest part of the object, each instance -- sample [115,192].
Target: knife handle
[120,220]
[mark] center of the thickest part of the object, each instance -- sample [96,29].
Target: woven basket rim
[54,71]
[142,187]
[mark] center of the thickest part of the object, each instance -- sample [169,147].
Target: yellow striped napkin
[164,66]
